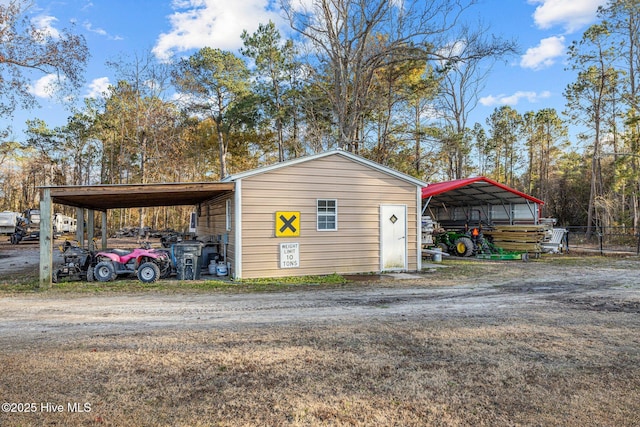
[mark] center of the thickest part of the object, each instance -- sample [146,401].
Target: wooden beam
[111,196]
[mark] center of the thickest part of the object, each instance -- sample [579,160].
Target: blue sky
[530,81]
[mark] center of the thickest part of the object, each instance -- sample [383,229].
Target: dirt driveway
[42,317]
[513,343]
[505,289]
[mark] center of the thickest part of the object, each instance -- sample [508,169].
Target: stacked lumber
[518,238]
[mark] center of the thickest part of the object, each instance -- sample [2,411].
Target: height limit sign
[289,255]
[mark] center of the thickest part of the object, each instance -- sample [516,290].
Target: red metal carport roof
[474,191]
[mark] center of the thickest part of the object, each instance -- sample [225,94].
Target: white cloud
[215,23]
[44,24]
[98,87]
[502,99]
[89,27]
[87,6]
[46,86]
[100,31]
[451,50]
[543,55]
[570,14]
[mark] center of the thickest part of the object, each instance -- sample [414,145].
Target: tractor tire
[148,272]
[104,271]
[443,247]
[55,277]
[463,247]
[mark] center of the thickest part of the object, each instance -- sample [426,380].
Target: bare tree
[624,19]
[26,47]
[351,39]
[144,82]
[470,57]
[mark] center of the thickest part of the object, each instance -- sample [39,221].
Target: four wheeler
[147,264]
[76,265]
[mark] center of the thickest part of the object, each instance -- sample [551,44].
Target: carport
[101,198]
[480,199]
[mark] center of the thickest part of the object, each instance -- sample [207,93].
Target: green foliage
[28,284]
[274,67]
[504,125]
[403,104]
[218,84]
[332,279]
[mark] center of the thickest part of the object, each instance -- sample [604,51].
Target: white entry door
[393,237]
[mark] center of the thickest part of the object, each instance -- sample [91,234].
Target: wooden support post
[80,227]
[46,239]
[104,230]
[90,229]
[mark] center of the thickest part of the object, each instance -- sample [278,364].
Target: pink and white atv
[147,264]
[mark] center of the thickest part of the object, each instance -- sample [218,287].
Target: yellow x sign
[287,224]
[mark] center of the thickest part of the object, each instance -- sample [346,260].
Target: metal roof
[104,197]
[474,191]
[339,152]
[113,196]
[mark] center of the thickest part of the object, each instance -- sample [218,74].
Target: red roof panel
[462,192]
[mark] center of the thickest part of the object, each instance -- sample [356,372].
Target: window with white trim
[327,214]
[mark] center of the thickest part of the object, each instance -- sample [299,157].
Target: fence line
[603,240]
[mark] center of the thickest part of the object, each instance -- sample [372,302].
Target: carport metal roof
[112,196]
[474,191]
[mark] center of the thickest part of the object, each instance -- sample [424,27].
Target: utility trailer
[27,227]
[8,222]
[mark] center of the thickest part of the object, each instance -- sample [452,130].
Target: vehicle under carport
[104,197]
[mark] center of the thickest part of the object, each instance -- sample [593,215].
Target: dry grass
[567,362]
[575,368]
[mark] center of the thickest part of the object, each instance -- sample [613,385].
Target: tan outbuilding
[333,212]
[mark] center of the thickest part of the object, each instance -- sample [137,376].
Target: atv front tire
[148,272]
[104,271]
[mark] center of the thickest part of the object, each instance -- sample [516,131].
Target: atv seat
[121,252]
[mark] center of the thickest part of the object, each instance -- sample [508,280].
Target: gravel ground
[546,342]
[613,285]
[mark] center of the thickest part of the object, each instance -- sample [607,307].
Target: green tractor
[455,243]
[463,243]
